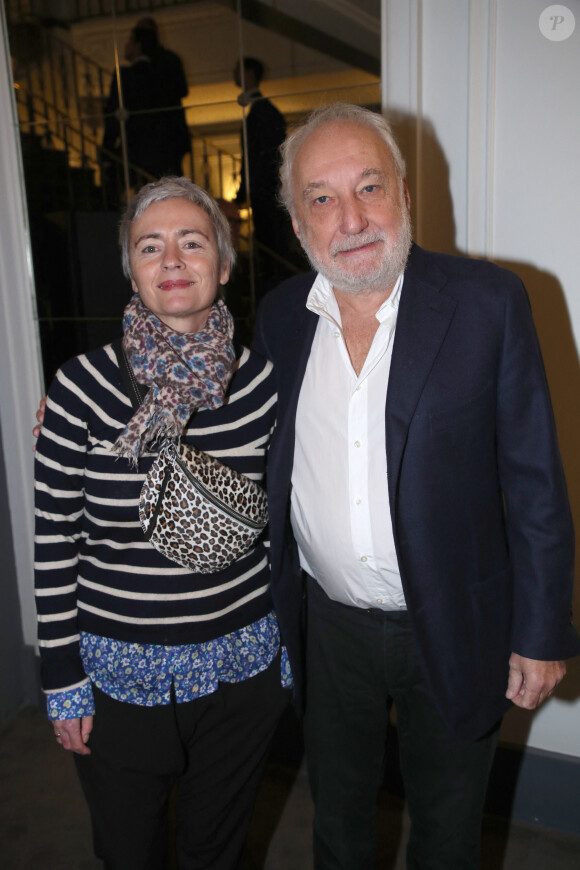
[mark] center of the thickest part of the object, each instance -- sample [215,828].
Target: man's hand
[531,681]
[40,418]
[73,734]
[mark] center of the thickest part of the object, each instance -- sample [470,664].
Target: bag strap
[133,388]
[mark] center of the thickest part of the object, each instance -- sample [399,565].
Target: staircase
[60,95]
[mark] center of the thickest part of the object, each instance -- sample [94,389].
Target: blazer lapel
[422,322]
[301,343]
[299,336]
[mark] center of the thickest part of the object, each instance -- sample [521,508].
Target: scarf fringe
[187,373]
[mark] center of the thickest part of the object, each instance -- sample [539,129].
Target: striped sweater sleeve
[59,504]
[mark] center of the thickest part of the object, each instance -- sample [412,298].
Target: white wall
[488,115]
[20,379]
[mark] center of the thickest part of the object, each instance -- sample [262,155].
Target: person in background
[157,137]
[139,86]
[155,674]
[173,89]
[416,497]
[265,132]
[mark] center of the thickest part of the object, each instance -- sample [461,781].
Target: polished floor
[44,824]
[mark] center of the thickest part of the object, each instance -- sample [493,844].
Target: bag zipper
[226,509]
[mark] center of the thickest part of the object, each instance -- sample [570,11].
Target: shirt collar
[246,98]
[322,301]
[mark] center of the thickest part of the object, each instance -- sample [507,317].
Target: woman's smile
[175,263]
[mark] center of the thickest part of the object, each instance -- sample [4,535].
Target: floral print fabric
[144,674]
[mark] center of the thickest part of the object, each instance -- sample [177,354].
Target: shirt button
[337,334]
[357,443]
[357,501]
[364,558]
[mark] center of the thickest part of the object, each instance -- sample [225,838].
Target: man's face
[352,211]
[132,48]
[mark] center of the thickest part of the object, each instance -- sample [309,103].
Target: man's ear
[406,195]
[296,229]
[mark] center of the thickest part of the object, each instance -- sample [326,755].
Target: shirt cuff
[286,670]
[71,704]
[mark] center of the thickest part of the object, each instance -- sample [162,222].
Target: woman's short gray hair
[334,112]
[172,187]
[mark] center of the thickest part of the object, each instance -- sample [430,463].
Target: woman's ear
[225,275]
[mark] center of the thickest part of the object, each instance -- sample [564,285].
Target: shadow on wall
[434,228]
[428,181]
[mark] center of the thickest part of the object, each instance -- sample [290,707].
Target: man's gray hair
[334,112]
[172,187]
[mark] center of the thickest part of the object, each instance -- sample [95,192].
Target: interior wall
[20,388]
[486,108]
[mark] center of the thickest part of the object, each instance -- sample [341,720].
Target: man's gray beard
[379,278]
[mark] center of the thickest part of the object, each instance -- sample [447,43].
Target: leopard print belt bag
[193,509]
[197,511]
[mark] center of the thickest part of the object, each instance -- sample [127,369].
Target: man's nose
[353,218]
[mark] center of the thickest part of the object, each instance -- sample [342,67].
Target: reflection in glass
[112,94]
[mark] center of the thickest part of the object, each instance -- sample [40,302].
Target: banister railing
[62,96]
[79,10]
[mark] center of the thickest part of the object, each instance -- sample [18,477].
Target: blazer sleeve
[538,518]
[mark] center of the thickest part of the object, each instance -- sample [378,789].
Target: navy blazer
[477,495]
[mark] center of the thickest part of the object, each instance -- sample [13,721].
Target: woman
[153,673]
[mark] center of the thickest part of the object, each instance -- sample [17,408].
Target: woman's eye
[149,249]
[192,245]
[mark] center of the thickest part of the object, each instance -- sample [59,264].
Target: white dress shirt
[340,504]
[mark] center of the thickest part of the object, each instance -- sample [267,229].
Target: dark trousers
[215,748]
[357,661]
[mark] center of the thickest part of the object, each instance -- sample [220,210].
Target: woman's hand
[40,418]
[73,734]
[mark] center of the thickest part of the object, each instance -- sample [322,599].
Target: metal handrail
[81,10]
[62,131]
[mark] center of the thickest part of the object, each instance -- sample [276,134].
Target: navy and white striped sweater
[95,572]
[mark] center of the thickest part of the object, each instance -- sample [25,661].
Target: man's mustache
[358,241]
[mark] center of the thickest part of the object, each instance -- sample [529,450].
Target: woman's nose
[172,256]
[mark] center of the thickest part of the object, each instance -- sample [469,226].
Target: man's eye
[370,188]
[322,199]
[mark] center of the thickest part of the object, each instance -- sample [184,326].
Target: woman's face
[175,262]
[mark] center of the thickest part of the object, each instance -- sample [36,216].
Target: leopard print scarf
[185,372]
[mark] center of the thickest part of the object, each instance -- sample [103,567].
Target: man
[156,140]
[172,89]
[265,133]
[414,477]
[143,129]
